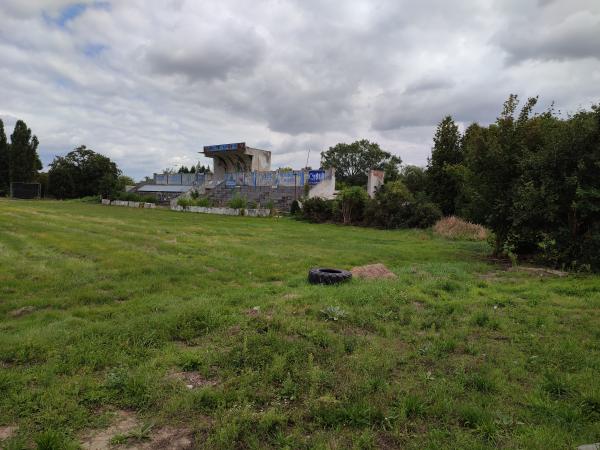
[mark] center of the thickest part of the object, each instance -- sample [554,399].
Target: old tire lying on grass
[328,276]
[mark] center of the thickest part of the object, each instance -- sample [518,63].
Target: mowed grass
[117,300]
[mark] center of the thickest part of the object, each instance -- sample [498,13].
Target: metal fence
[274,178]
[184,179]
[25,190]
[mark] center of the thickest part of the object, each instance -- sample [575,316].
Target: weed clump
[453,227]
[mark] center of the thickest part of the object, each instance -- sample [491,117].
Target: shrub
[252,205]
[184,202]
[352,203]
[453,227]
[318,209]
[395,207]
[205,202]
[423,214]
[88,199]
[295,208]
[390,207]
[237,202]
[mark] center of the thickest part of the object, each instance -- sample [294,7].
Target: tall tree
[24,162]
[445,155]
[82,172]
[4,161]
[352,162]
[494,157]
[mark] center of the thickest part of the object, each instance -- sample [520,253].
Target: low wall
[108,202]
[255,212]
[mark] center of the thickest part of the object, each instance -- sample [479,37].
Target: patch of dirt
[234,330]
[170,438]
[193,380]
[126,426]
[253,312]
[6,432]
[419,306]
[372,271]
[290,296]
[124,423]
[541,271]
[21,311]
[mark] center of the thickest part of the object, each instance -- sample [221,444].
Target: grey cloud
[414,109]
[213,54]
[429,84]
[287,74]
[552,33]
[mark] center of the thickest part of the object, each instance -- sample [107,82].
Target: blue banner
[315,176]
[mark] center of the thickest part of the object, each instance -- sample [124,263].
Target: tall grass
[453,227]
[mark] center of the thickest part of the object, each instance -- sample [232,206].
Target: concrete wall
[374,181]
[257,212]
[281,196]
[107,202]
[326,188]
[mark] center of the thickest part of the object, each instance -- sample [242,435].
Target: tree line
[80,173]
[532,178]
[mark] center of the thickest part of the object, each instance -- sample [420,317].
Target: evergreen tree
[445,155]
[4,180]
[24,162]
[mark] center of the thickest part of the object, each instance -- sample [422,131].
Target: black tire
[328,276]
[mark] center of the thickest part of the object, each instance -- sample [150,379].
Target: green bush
[295,208]
[423,214]
[238,202]
[87,199]
[186,202]
[318,209]
[395,207]
[251,205]
[205,202]
[351,203]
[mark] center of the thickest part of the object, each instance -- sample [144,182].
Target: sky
[149,83]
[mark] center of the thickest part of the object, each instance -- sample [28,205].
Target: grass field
[107,311]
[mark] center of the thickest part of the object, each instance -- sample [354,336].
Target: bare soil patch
[541,271]
[6,432]
[372,271]
[22,311]
[126,427]
[169,438]
[253,312]
[193,380]
[124,423]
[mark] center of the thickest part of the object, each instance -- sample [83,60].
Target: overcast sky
[149,83]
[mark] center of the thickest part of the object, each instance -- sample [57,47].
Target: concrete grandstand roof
[163,188]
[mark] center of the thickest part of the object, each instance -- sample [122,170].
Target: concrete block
[149,205]
[258,212]
[133,204]
[105,201]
